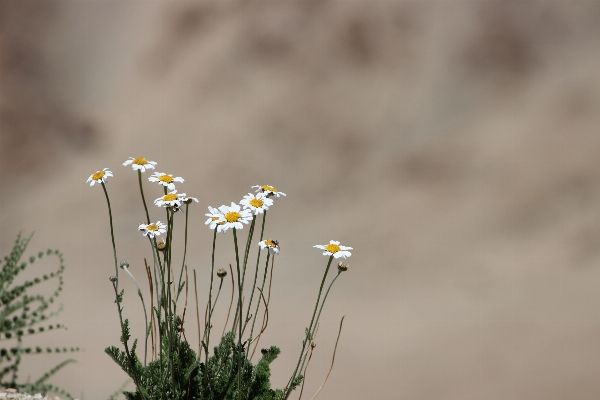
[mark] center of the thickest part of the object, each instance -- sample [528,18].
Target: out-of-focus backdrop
[455,145]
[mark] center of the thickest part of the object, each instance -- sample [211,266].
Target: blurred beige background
[453,144]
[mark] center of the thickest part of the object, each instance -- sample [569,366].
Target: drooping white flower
[269,191]
[256,203]
[334,249]
[153,229]
[172,199]
[140,163]
[216,219]
[272,245]
[99,177]
[165,179]
[234,216]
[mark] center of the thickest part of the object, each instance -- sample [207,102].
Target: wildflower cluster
[175,371]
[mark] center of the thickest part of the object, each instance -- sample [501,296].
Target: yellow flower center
[271,243]
[165,178]
[269,188]
[233,216]
[152,227]
[332,248]
[170,197]
[215,218]
[256,203]
[140,161]
[98,175]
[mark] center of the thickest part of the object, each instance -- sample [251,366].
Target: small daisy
[165,180]
[268,190]
[272,245]
[334,249]
[172,199]
[234,216]
[99,177]
[256,203]
[140,163]
[153,229]
[215,218]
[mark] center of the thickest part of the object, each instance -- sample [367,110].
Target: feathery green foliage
[23,314]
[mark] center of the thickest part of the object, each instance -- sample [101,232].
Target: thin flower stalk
[185,242]
[262,230]
[308,338]
[262,286]
[207,329]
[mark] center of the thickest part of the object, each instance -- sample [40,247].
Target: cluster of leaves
[22,314]
[227,375]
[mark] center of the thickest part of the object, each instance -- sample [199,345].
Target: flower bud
[342,266]
[221,273]
[124,264]
[161,245]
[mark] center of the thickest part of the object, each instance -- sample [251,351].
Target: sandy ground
[454,145]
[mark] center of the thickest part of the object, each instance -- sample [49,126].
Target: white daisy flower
[256,203]
[153,229]
[99,177]
[172,199]
[140,163]
[215,219]
[165,179]
[334,249]
[234,216]
[268,190]
[272,245]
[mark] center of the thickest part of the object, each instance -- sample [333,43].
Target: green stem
[212,270]
[239,309]
[143,197]
[312,334]
[308,331]
[184,251]
[261,290]
[262,230]
[247,251]
[112,233]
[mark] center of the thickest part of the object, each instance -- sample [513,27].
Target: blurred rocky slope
[454,145]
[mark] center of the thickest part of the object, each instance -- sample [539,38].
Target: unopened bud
[342,266]
[112,279]
[124,264]
[161,245]
[221,273]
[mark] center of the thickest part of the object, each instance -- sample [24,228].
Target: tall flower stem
[187,213]
[308,337]
[239,310]
[261,290]
[312,334]
[116,287]
[112,234]
[247,251]
[262,230]
[207,328]
[143,197]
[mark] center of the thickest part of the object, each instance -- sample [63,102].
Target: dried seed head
[124,264]
[112,279]
[161,245]
[342,266]
[264,351]
[313,345]
[221,273]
